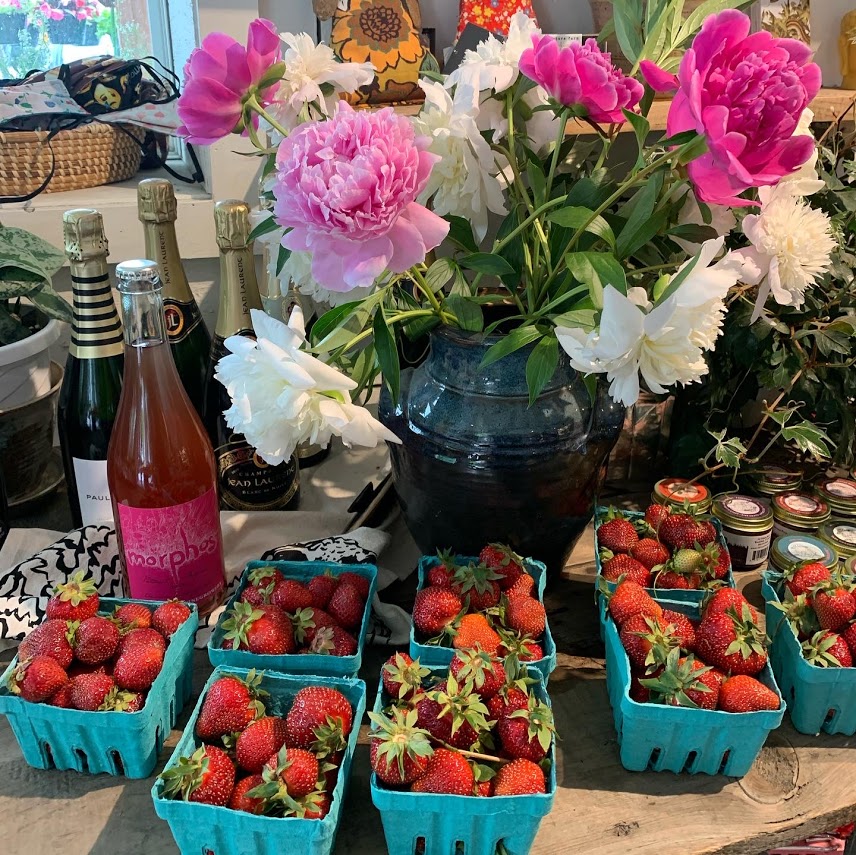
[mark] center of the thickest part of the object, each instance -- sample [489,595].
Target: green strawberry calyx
[749,637]
[239,622]
[540,719]
[76,589]
[408,675]
[398,737]
[464,705]
[186,776]
[677,678]
[817,650]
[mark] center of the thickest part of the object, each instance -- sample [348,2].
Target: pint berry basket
[661,738]
[435,655]
[118,743]
[441,824]
[199,828]
[819,699]
[296,663]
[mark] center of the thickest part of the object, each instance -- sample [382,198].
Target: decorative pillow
[387,34]
[493,15]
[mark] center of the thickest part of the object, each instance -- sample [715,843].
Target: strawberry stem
[473,755]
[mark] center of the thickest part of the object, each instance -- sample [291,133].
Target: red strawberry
[746,694]
[207,777]
[649,552]
[799,613]
[732,642]
[346,606]
[723,564]
[637,691]
[318,707]
[259,629]
[670,580]
[51,638]
[96,640]
[803,578]
[402,676]
[447,772]
[484,671]
[239,800]
[849,635]
[169,616]
[314,806]
[453,714]
[827,650]
[439,576]
[624,565]
[617,535]
[259,740]
[676,531]
[361,583]
[434,609]
[294,771]
[291,596]
[835,606]
[655,514]
[61,697]
[475,631]
[260,585]
[137,667]
[400,750]
[506,702]
[504,561]
[75,599]
[129,701]
[647,641]
[35,680]
[519,778]
[90,691]
[79,668]
[483,789]
[333,641]
[307,622]
[727,598]
[684,682]
[322,588]
[132,616]
[630,598]
[526,615]
[684,629]
[477,586]
[528,732]
[141,638]
[523,587]
[230,705]
[705,533]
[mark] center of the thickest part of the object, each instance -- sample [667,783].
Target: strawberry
[322,587]
[722,600]
[402,676]
[477,586]
[132,616]
[35,680]
[96,640]
[447,772]
[361,583]
[528,732]
[506,702]
[258,741]
[290,773]
[319,708]
[732,641]
[616,534]
[307,622]
[504,561]
[683,628]
[519,778]
[291,596]
[75,599]
[625,566]
[705,534]
[684,682]
[835,605]
[453,713]
[439,576]
[434,609]
[475,631]
[137,667]
[483,789]
[827,650]
[207,777]
[526,615]
[142,638]
[314,806]
[260,585]
[746,694]
[259,629]
[126,701]
[803,578]
[654,516]
[169,616]
[346,606]
[647,641]
[484,671]
[723,562]
[90,691]
[849,636]
[523,587]
[51,638]
[669,580]
[61,697]
[630,598]
[79,668]
[799,613]
[333,641]
[637,691]
[649,552]
[400,750]
[686,561]
[677,531]
[230,705]
[239,800]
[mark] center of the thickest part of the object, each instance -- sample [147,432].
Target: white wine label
[92,491]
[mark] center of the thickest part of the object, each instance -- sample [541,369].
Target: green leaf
[418,327]
[282,256]
[21,248]
[641,127]
[537,182]
[468,312]
[576,218]
[332,319]
[729,451]
[597,270]
[387,353]
[439,273]
[809,438]
[691,150]
[692,232]
[692,23]
[461,233]
[541,366]
[486,262]
[627,16]
[11,330]
[637,224]
[590,382]
[460,286]
[516,339]
[678,139]
[265,227]
[52,304]
[584,319]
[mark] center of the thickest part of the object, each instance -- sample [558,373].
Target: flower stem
[253,104]
[560,138]
[426,290]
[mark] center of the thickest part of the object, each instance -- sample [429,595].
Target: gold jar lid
[773,480]
[850,566]
[681,494]
[841,536]
[742,513]
[800,509]
[156,201]
[793,549]
[83,233]
[232,224]
[839,494]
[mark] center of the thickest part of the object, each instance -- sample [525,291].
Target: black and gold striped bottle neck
[96,330]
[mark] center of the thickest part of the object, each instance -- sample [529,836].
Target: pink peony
[345,188]
[746,94]
[581,74]
[218,78]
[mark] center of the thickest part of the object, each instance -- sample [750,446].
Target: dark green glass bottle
[92,382]
[189,338]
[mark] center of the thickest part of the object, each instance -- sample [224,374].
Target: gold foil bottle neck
[156,201]
[232,222]
[83,233]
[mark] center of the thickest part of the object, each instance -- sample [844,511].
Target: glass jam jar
[850,566]
[839,494]
[798,513]
[747,525]
[774,481]
[679,494]
[797,548]
[840,534]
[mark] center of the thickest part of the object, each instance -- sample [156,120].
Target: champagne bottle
[246,481]
[188,336]
[160,466]
[92,382]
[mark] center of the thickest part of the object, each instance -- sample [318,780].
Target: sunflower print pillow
[386,34]
[493,15]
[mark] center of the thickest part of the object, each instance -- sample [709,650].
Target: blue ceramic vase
[477,464]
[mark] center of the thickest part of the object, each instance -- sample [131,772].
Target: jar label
[845,533]
[744,506]
[247,483]
[756,547]
[93,494]
[175,551]
[679,491]
[799,503]
[802,550]
[841,488]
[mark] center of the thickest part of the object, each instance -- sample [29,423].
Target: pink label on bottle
[175,551]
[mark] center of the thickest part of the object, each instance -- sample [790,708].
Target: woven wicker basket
[87,156]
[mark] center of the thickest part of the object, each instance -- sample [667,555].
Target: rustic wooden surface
[801,785]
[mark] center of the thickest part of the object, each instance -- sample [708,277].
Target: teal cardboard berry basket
[435,655]
[661,738]
[444,822]
[118,743]
[199,828]
[296,663]
[674,594]
[819,699]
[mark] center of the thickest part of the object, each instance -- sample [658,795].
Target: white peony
[722,220]
[282,396]
[297,271]
[809,168]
